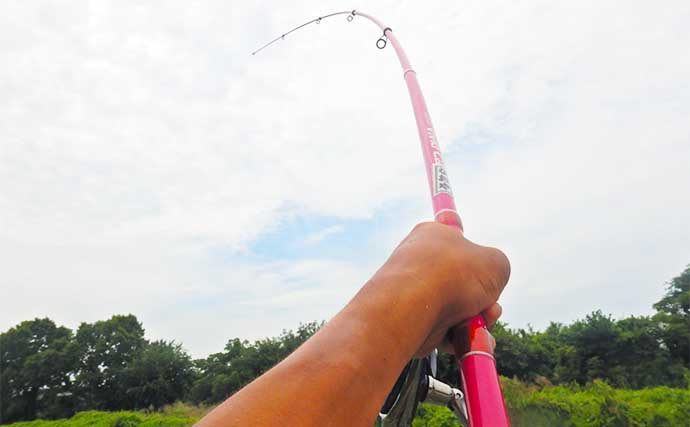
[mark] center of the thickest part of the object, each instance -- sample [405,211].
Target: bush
[595,405]
[113,419]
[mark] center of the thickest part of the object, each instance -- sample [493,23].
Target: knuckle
[500,265]
[423,226]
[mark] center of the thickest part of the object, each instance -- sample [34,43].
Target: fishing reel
[416,384]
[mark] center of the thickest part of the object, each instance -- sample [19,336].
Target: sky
[150,165]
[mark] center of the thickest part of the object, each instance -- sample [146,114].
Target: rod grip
[475,357]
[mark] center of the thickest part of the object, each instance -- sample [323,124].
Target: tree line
[50,371]
[634,352]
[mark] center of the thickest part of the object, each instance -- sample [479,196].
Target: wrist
[406,307]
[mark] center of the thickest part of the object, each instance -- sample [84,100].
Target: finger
[492,314]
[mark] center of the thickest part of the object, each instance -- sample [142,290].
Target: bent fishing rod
[481,404]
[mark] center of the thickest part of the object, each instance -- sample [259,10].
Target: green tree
[641,361]
[158,375]
[221,374]
[106,349]
[37,360]
[511,352]
[673,314]
[592,347]
[522,353]
[216,376]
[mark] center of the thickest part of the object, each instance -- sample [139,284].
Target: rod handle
[473,346]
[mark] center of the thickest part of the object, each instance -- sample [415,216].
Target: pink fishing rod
[472,341]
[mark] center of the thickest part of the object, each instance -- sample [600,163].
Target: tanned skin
[434,279]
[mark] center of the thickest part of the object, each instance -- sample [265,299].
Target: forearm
[342,375]
[433,280]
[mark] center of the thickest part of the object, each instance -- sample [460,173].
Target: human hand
[449,274]
[434,280]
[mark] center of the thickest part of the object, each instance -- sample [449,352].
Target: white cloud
[136,138]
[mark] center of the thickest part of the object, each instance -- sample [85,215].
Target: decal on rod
[441,182]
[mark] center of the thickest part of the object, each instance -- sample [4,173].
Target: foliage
[36,359]
[526,354]
[627,353]
[107,348]
[434,416]
[185,410]
[47,371]
[161,374]
[596,405]
[221,374]
[114,419]
[634,352]
[674,316]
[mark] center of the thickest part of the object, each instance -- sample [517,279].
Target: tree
[641,360]
[106,349]
[511,352]
[673,314]
[222,374]
[37,360]
[522,353]
[593,347]
[216,377]
[158,375]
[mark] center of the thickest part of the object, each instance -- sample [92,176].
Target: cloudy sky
[150,165]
